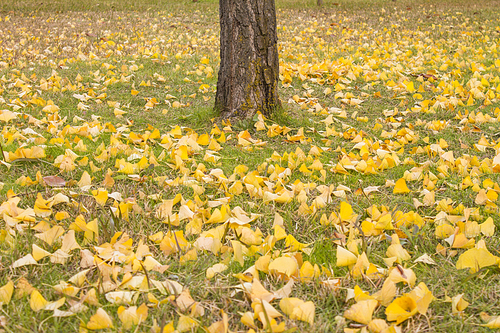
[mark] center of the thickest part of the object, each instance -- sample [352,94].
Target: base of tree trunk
[249,69]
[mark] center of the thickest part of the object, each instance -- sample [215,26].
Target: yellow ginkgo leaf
[6,293]
[6,115]
[185,302]
[69,242]
[238,250]
[26,260]
[118,113]
[257,292]
[247,319]
[487,228]
[284,266]
[378,326]
[51,306]
[216,216]
[362,311]
[346,212]
[475,259]
[85,181]
[387,293]
[458,304]
[186,323]
[39,253]
[217,268]
[100,320]
[345,257]
[422,297]
[305,312]
[101,196]
[400,187]
[289,303]
[493,322]
[66,288]
[399,274]
[360,295]
[298,309]
[264,311]
[401,309]
[37,302]
[132,316]
[121,297]
[23,288]
[397,251]
[51,235]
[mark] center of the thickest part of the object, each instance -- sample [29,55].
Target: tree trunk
[320,2]
[249,65]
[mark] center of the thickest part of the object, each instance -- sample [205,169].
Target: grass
[98,57]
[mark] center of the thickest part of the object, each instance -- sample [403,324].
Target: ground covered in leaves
[369,204]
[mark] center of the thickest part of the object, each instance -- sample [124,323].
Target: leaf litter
[82,179]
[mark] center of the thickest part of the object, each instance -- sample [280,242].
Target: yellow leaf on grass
[217,268]
[51,235]
[422,297]
[23,288]
[346,212]
[85,181]
[26,260]
[118,113]
[39,253]
[458,304]
[399,274]
[247,319]
[6,293]
[108,181]
[362,311]
[298,309]
[397,251]
[400,187]
[284,265]
[345,257]
[100,320]
[238,252]
[37,302]
[493,322]
[52,306]
[186,324]
[69,242]
[6,115]
[359,295]
[264,311]
[66,288]
[487,227]
[387,293]
[132,316]
[401,309]
[100,196]
[256,291]
[475,259]
[221,326]
[378,326]
[185,302]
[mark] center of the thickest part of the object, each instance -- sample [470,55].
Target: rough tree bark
[249,68]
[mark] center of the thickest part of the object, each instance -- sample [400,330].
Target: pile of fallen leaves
[401,143]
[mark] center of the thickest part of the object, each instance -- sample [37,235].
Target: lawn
[368,203]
